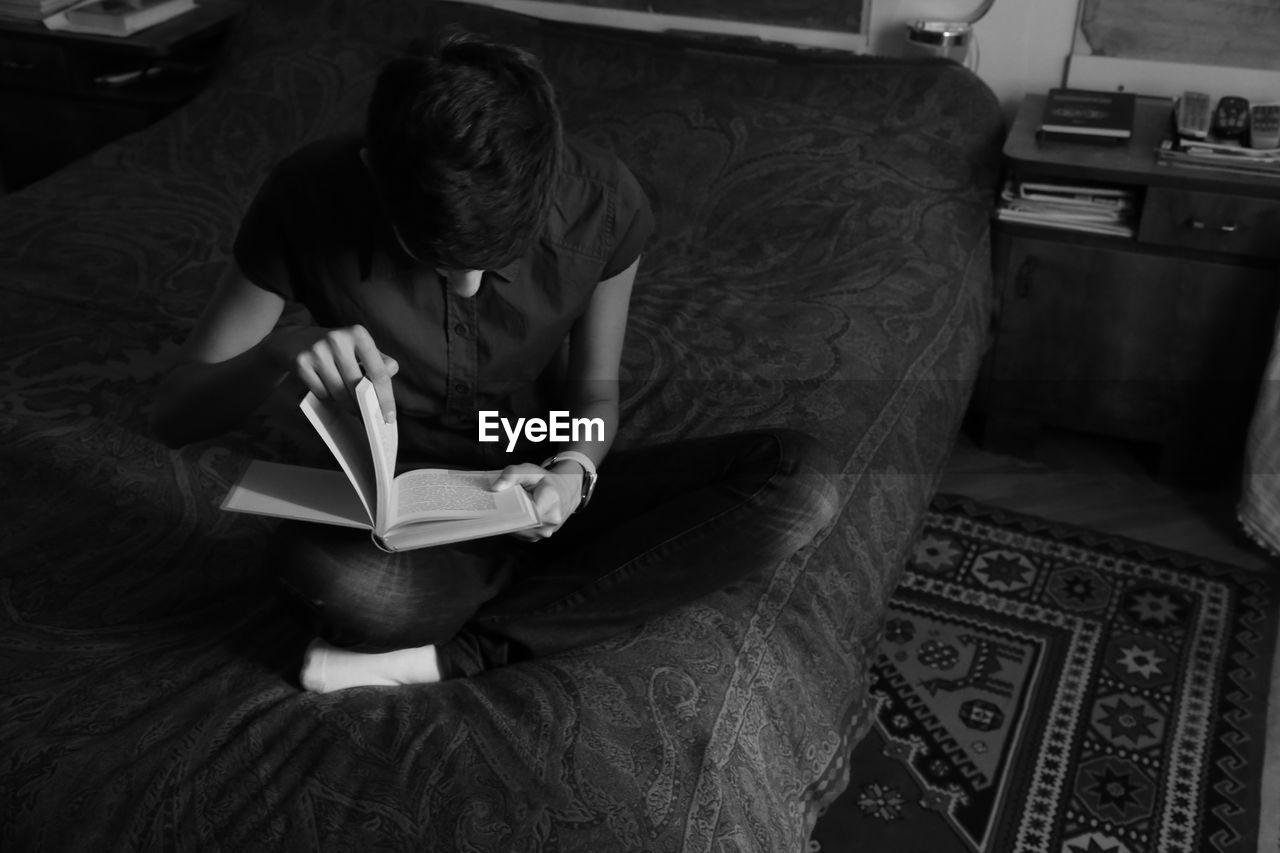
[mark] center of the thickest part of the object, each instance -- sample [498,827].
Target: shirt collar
[508,272]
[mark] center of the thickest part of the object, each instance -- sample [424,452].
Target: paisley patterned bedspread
[821,261]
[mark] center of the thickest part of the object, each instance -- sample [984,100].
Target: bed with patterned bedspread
[821,260]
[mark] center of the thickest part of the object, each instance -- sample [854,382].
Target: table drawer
[1211,222]
[30,63]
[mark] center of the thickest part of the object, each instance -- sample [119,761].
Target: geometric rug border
[1119,545]
[1257,586]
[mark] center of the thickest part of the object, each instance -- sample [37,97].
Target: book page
[302,494]
[429,533]
[510,509]
[383,440]
[345,438]
[430,494]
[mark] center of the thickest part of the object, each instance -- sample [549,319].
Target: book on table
[415,509]
[1088,115]
[124,17]
[32,10]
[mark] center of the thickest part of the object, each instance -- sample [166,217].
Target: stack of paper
[118,18]
[32,10]
[1097,210]
[1229,156]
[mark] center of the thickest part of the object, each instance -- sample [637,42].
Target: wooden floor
[1105,485]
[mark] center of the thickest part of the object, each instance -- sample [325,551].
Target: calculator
[1194,115]
[1264,126]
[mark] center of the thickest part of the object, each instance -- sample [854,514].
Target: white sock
[326,668]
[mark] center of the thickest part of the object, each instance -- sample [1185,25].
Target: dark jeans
[668,524]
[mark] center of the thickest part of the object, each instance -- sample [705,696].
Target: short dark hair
[464,138]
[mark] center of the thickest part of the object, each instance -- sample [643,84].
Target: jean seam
[559,604]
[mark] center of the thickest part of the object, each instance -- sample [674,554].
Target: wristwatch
[589,476]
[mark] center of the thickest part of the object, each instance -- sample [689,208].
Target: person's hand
[555,493]
[331,362]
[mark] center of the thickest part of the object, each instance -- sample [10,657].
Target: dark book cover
[1072,113]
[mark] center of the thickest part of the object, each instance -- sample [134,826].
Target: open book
[427,506]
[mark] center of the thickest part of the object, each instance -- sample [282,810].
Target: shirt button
[461,329]
[460,388]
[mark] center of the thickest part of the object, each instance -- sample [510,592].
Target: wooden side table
[1157,338]
[64,94]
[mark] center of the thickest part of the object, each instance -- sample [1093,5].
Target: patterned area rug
[1048,689]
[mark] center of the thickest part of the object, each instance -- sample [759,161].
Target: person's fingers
[307,374]
[506,479]
[346,362]
[525,474]
[319,359]
[536,534]
[546,500]
[371,363]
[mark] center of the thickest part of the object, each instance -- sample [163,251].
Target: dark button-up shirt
[315,234]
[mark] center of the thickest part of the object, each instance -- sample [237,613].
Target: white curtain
[1259,509]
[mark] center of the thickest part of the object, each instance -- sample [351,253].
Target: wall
[1022,44]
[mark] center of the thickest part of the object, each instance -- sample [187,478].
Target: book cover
[1070,113]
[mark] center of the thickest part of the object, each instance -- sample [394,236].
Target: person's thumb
[513,474]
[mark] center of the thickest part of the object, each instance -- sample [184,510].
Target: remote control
[1194,115]
[1231,117]
[1264,126]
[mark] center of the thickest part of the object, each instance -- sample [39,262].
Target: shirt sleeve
[633,222]
[262,246]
